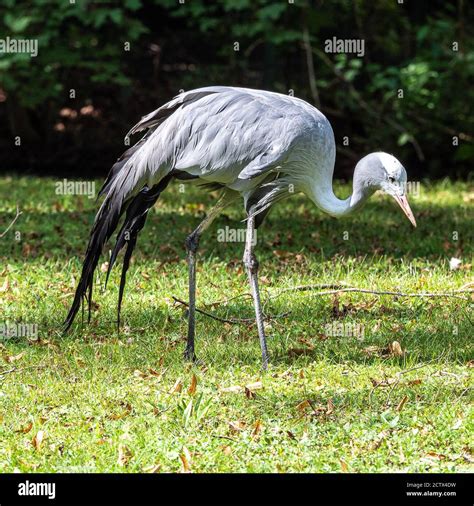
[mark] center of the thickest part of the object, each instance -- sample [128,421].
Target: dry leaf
[38,439]
[454,263]
[249,394]
[104,267]
[395,349]
[26,428]
[227,450]
[303,405]
[14,358]
[6,286]
[257,428]
[177,387]
[126,412]
[155,468]
[344,466]
[186,460]
[257,385]
[402,403]
[237,425]
[124,455]
[382,383]
[435,456]
[153,372]
[330,407]
[192,387]
[296,352]
[415,382]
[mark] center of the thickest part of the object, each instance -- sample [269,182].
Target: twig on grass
[232,321]
[18,369]
[345,288]
[18,213]
[217,318]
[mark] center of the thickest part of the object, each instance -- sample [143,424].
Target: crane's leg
[192,243]
[251,263]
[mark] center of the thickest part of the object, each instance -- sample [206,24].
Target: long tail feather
[134,222]
[105,223]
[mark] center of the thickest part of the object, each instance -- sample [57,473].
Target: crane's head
[381,171]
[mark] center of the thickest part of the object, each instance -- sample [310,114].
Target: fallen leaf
[330,407]
[435,456]
[249,394]
[382,383]
[257,428]
[415,382]
[395,349]
[402,403]
[192,387]
[237,425]
[123,414]
[124,455]
[186,460]
[177,387]
[344,466]
[6,286]
[257,385]
[38,439]
[227,450]
[454,263]
[303,405]
[26,428]
[14,358]
[154,468]
[296,352]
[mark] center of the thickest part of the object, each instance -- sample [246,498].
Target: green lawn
[98,401]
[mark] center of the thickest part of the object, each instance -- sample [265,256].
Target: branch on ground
[18,213]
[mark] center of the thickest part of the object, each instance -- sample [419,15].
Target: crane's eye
[391,179]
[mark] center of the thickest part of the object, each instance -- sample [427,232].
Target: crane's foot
[189,354]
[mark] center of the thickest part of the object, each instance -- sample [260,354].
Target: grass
[98,401]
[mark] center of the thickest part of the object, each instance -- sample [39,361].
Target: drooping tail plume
[135,219]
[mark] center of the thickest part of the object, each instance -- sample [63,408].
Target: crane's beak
[403,203]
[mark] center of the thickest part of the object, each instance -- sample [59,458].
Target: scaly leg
[192,243]
[251,263]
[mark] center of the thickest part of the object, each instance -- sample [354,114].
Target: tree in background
[409,93]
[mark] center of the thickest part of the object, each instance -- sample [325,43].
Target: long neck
[324,197]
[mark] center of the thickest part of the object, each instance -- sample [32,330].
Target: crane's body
[259,145]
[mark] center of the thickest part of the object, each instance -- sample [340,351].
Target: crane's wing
[218,134]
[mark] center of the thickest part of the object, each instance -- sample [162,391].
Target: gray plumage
[259,145]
